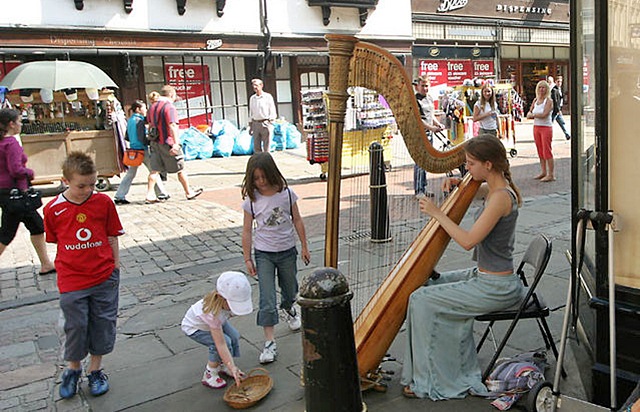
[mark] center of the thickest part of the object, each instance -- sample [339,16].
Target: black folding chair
[531,307]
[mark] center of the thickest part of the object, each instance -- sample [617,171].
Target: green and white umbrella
[56,75]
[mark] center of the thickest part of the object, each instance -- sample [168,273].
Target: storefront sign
[523,10]
[448,5]
[454,72]
[6,67]
[192,87]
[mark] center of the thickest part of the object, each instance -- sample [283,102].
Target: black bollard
[331,381]
[378,191]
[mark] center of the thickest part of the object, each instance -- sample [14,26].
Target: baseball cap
[235,288]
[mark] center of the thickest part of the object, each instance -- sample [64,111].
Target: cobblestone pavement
[169,253]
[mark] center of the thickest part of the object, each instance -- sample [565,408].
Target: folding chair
[537,256]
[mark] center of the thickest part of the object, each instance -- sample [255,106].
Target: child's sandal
[408,393]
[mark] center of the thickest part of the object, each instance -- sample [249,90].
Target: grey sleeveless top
[495,252]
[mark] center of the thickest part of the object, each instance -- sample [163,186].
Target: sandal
[540,176]
[151,201]
[408,393]
[548,179]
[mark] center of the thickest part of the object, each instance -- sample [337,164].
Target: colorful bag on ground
[133,158]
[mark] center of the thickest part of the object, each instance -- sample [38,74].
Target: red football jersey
[84,257]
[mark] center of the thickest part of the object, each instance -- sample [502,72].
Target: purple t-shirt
[13,161]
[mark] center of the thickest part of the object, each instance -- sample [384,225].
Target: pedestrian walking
[137,136]
[272,205]
[85,226]
[166,151]
[557,96]
[14,174]
[207,322]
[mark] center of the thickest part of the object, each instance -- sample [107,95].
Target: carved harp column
[340,52]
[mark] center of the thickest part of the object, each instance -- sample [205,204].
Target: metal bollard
[331,381]
[378,190]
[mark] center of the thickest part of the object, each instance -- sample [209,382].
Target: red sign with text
[454,72]
[6,67]
[193,89]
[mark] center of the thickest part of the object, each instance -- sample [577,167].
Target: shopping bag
[133,158]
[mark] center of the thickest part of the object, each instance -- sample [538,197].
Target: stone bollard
[331,381]
[378,192]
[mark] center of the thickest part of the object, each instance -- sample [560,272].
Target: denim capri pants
[231,336]
[272,265]
[440,360]
[90,319]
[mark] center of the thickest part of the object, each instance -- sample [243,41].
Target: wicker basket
[254,387]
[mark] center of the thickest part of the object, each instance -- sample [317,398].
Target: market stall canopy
[56,75]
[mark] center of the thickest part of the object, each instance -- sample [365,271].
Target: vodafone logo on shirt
[84,237]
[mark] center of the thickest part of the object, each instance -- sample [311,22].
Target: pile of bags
[224,139]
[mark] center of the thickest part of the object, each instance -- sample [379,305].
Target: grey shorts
[163,161]
[90,319]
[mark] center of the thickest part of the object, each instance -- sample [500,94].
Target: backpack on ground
[514,376]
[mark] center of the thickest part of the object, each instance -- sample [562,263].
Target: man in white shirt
[262,111]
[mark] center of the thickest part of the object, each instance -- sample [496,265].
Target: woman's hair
[154,96]
[543,83]
[491,149]
[264,162]
[137,104]
[491,101]
[7,116]
[213,303]
[78,163]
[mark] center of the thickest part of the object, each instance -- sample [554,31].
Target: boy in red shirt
[85,226]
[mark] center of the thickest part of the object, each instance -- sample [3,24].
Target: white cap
[235,288]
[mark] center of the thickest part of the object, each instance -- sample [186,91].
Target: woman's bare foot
[548,179]
[540,176]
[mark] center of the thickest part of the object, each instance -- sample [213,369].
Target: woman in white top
[485,112]
[540,111]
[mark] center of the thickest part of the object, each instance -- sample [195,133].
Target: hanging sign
[192,87]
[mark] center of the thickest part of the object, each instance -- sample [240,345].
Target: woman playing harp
[440,359]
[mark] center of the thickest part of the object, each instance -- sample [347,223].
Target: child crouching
[206,322]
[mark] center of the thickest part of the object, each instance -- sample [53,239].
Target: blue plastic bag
[293,136]
[243,144]
[195,144]
[278,141]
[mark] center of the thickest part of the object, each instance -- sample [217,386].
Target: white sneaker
[293,318]
[212,379]
[224,369]
[269,353]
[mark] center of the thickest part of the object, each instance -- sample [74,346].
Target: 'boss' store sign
[454,72]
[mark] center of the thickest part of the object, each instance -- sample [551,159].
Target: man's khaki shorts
[163,161]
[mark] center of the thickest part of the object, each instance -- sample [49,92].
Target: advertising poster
[193,88]
[449,73]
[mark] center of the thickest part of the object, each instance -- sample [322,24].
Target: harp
[356,63]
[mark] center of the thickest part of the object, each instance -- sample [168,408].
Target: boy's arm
[299,225]
[113,242]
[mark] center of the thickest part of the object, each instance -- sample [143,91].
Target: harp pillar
[340,52]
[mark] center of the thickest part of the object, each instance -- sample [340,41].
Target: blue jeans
[270,265]
[125,184]
[419,180]
[562,124]
[231,336]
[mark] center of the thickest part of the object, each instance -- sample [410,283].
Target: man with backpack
[557,96]
[164,137]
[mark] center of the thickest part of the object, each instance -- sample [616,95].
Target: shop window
[210,88]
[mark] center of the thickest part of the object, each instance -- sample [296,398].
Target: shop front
[518,42]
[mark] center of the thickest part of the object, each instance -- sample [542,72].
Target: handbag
[20,202]
[133,158]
